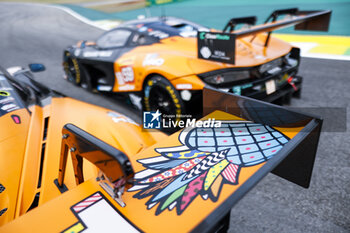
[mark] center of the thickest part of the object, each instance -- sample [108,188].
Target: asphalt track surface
[32,33]
[38,34]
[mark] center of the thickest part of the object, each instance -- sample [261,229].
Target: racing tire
[75,73]
[159,94]
[71,68]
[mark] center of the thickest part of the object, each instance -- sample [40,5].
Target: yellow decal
[4,93]
[78,227]
[214,172]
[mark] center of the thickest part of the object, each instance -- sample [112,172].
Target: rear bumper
[283,93]
[287,84]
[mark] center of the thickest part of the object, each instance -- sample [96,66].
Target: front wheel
[71,68]
[159,94]
[74,72]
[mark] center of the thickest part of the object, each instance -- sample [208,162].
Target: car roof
[169,26]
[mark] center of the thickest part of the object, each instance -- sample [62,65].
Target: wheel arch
[173,94]
[149,76]
[68,55]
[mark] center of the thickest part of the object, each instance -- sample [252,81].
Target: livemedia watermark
[157,120]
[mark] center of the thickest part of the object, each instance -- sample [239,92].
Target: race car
[166,63]
[69,166]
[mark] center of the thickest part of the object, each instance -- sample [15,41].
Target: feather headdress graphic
[208,159]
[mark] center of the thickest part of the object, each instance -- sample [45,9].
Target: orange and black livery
[69,166]
[166,62]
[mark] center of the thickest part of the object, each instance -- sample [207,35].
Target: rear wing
[187,182]
[220,47]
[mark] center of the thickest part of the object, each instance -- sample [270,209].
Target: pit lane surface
[32,33]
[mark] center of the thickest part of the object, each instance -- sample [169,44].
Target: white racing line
[79,17]
[101,24]
[306,46]
[83,19]
[327,56]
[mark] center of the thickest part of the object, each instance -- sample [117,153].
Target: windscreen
[114,38]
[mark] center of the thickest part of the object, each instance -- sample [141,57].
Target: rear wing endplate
[294,162]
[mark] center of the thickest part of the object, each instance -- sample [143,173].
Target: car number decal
[126,75]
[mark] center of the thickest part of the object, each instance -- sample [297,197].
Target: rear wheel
[159,94]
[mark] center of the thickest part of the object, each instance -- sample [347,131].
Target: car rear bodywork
[69,166]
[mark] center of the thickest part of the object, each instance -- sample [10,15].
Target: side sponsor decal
[97,53]
[9,107]
[184,86]
[7,102]
[96,214]
[127,87]
[152,59]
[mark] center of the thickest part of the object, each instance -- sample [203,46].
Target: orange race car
[69,166]
[165,63]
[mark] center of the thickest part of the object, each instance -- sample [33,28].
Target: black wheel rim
[159,98]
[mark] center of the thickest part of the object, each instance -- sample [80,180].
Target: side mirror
[36,67]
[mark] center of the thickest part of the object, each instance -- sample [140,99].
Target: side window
[115,38]
[141,39]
